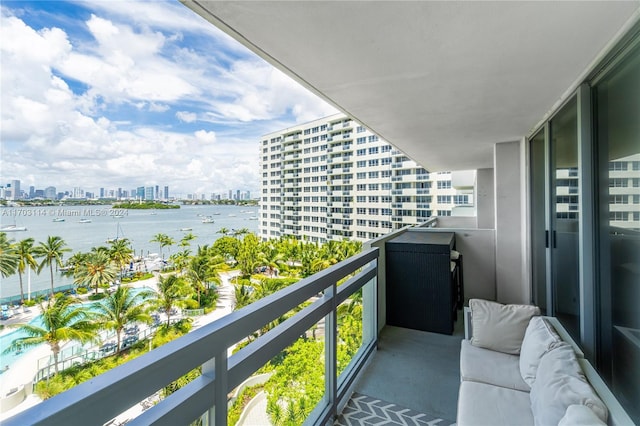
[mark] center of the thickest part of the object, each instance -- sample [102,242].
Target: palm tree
[181,259]
[120,308]
[74,262]
[163,240]
[51,252]
[247,257]
[224,231]
[171,291]
[61,322]
[8,256]
[270,256]
[24,250]
[241,231]
[121,253]
[186,240]
[96,270]
[198,274]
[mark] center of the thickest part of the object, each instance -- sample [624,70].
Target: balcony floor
[413,373]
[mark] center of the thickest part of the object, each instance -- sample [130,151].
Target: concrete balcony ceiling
[441,80]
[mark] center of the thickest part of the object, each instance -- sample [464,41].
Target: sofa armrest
[617,415]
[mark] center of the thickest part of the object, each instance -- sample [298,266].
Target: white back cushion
[499,327]
[580,415]
[539,338]
[560,383]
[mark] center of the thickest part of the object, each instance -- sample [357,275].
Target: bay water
[85,227]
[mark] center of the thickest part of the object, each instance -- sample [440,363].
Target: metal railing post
[331,351]
[220,386]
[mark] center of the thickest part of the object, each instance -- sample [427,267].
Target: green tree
[270,256]
[163,240]
[74,262]
[62,321]
[181,259]
[198,273]
[172,290]
[247,257]
[227,247]
[51,252]
[97,269]
[8,256]
[120,308]
[121,253]
[186,240]
[224,231]
[298,383]
[24,251]
[240,232]
[243,296]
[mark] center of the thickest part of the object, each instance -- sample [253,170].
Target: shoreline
[26,366]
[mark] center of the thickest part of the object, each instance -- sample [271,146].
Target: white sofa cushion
[499,327]
[580,415]
[487,405]
[539,338]
[490,367]
[560,383]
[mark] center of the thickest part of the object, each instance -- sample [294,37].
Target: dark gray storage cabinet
[420,284]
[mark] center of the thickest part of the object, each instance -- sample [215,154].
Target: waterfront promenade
[23,370]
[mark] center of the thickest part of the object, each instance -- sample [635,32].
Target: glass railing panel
[356,324]
[286,389]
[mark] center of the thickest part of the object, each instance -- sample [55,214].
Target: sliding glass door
[538,217]
[563,236]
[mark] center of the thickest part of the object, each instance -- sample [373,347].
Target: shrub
[96,296]
[191,304]
[82,290]
[29,303]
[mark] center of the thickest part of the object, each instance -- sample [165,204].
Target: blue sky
[123,94]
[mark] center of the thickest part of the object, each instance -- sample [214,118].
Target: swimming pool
[8,359]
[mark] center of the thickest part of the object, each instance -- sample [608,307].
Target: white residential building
[332,178]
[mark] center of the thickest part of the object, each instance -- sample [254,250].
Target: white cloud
[187,117]
[206,137]
[87,107]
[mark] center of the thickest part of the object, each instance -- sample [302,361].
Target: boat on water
[58,219]
[13,228]
[119,235]
[84,221]
[208,219]
[186,229]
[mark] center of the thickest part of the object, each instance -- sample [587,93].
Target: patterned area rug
[363,410]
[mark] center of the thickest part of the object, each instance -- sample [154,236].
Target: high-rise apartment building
[332,179]
[15,189]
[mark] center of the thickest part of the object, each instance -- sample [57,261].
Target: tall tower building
[15,189]
[332,179]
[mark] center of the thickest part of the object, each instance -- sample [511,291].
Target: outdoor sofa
[520,368]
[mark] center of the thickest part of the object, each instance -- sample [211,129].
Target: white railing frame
[106,396]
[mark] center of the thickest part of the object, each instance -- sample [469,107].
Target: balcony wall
[477,246]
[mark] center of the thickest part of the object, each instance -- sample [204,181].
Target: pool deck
[23,370]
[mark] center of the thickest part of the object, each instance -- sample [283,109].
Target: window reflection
[618,137]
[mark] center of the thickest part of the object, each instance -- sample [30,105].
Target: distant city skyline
[106,93]
[148,192]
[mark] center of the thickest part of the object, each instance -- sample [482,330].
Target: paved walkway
[256,413]
[26,367]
